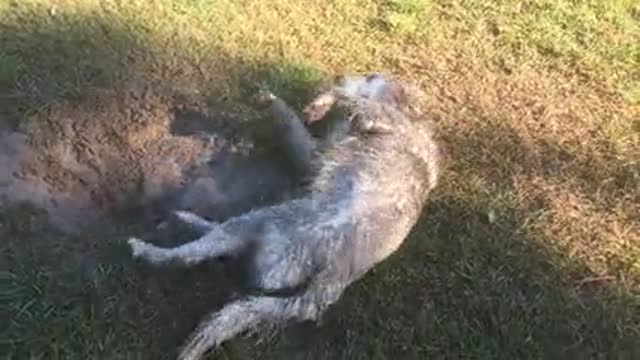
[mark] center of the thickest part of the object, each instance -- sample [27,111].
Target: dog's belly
[381,236]
[280,261]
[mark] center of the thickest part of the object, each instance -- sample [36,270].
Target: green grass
[530,249]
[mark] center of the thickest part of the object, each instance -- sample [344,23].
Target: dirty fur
[370,182]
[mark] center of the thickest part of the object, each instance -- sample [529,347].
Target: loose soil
[137,153]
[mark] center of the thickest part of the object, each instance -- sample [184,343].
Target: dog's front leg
[298,141]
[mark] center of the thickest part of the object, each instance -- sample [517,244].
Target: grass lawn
[530,248]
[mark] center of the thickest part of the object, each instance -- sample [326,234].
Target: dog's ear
[319,107]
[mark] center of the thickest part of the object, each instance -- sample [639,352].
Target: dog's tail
[247,314]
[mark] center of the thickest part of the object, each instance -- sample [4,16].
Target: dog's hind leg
[196,222]
[215,243]
[250,313]
[231,320]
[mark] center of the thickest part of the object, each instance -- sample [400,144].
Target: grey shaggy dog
[370,180]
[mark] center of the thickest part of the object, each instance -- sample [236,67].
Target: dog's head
[351,88]
[383,105]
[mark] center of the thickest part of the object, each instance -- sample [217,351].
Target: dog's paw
[318,108]
[184,216]
[138,247]
[263,99]
[194,221]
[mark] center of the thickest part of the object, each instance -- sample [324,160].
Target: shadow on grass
[461,287]
[68,296]
[467,285]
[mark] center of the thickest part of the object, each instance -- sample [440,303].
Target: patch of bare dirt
[131,152]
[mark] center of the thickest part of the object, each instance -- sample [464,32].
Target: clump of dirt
[132,152]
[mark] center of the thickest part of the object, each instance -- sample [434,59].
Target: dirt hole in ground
[137,154]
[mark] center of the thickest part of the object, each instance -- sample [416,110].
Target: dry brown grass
[540,140]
